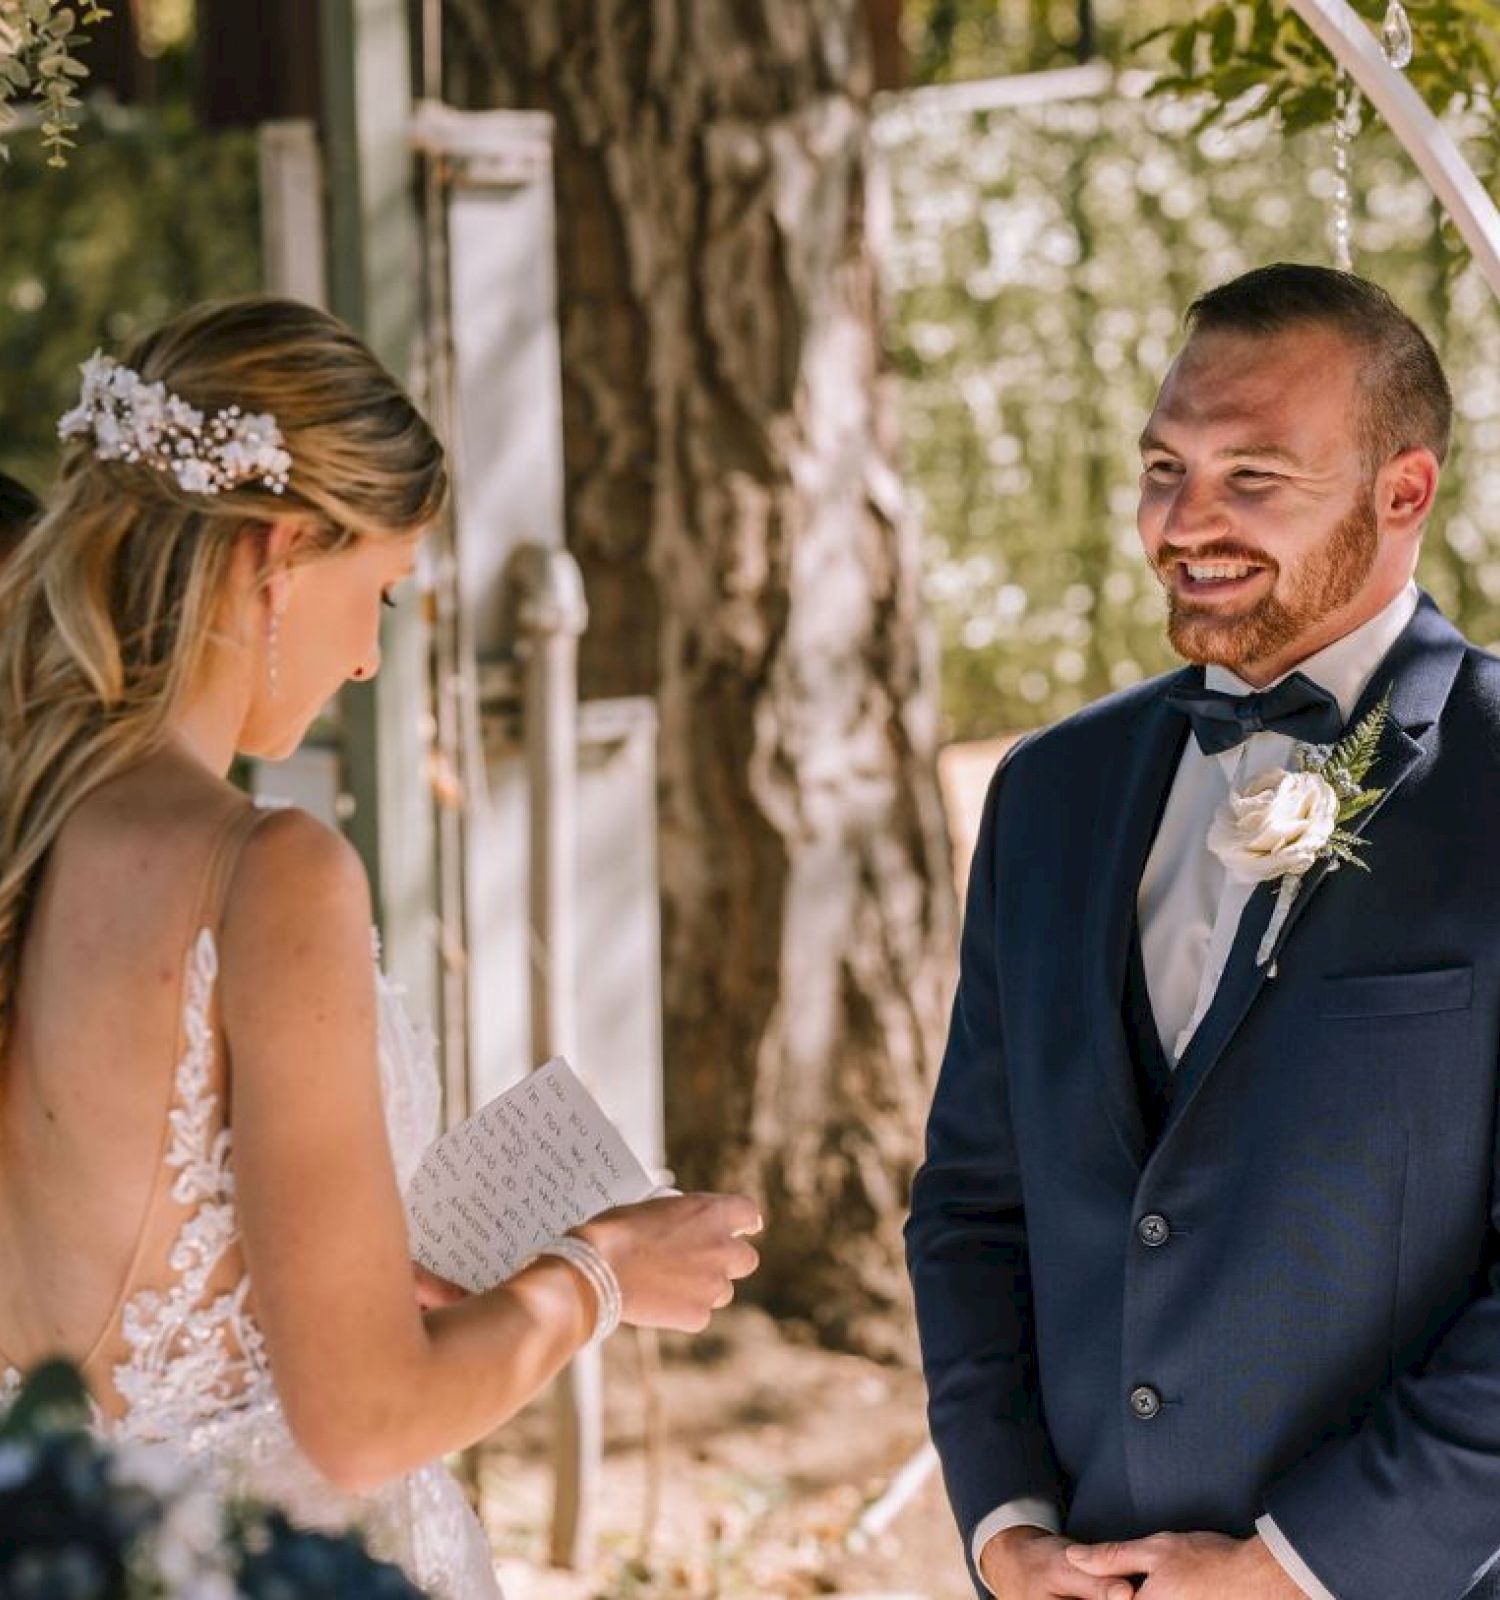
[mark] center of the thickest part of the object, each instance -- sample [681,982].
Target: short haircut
[1407,402]
[19,508]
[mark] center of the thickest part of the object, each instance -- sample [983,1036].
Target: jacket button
[1145,1402]
[1152,1230]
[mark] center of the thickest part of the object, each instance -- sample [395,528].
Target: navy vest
[1153,1073]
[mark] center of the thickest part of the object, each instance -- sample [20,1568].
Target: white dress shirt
[1189,912]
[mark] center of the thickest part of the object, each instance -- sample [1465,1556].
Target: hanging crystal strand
[1346,111]
[1396,36]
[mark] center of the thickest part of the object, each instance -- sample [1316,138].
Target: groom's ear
[1405,488]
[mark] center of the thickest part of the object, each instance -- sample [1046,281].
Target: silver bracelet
[600,1277]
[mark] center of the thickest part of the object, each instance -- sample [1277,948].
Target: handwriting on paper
[536,1161]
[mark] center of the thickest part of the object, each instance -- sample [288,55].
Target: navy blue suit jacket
[1322,1323]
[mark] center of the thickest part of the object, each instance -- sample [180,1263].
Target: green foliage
[53,1398]
[1350,760]
[1346,766]
[38,44]
[1245,59]
[1040,263]
[948,40]
[149,217]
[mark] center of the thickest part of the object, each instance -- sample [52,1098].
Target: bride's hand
[677,1258]
[433,1291]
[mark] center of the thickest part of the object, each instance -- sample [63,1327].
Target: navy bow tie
[1296,707]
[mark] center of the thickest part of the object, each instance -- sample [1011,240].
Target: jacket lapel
[1125,825]
[1419,672]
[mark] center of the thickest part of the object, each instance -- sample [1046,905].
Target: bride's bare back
[86,1214]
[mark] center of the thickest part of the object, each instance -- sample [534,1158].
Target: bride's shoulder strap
[223,858]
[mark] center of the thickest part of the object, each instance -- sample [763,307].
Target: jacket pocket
[1397,994]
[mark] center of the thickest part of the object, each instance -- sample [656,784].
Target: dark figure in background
[19,508]
[1206,1247]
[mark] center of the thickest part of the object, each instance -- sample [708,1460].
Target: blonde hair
[107,608]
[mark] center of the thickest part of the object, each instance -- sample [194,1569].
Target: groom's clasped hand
[1186,1566]
[1027,1563]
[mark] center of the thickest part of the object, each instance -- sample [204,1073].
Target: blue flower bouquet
[83,1518]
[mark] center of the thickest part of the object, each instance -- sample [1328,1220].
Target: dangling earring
[273,653]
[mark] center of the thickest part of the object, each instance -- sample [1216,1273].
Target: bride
[208,1100]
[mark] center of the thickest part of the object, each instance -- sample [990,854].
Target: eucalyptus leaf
[44,36]
[1184,51]
[1224,32]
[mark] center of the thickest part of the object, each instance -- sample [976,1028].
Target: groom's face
[1257,507]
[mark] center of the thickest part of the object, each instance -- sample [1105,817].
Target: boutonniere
[1282,823]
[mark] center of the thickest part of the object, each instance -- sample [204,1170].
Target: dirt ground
[772,1450]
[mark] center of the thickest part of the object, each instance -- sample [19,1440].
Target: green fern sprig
[1345,846]
[1355,754]
[1346,766]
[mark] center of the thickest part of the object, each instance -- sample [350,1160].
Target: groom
[1206,1247]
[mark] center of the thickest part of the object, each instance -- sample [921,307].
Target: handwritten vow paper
[536,1161]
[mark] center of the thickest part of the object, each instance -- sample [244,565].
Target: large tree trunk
[257,62]
[748,564]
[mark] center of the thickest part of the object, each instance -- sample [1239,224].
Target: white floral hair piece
[132,420]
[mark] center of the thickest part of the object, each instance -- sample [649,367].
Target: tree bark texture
[750,565]
[257,62]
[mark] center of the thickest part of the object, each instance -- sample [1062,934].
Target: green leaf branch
[39,40]
[1248,59]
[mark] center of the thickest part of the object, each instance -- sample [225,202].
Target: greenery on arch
[951,40]
[39,41]
[1241,60]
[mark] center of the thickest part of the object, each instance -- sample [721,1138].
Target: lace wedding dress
[196,1375]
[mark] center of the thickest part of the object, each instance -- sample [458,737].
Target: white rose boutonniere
[1282,823]
[1279,823]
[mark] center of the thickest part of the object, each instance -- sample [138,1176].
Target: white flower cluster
[184,1554]
[132,420]
[182,1549]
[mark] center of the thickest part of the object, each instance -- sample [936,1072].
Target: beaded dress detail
[196,1375]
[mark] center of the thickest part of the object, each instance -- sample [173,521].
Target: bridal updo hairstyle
[109,605]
